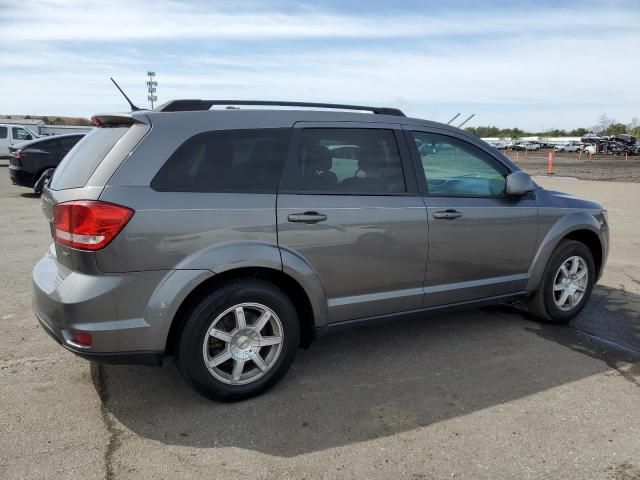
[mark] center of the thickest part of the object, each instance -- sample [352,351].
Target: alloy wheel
[243,343]
[570,283]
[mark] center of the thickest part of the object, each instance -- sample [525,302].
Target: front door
[481,242]
[348,206]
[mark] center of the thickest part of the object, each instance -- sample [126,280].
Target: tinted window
[346,160]
[226,161]
[48,145]
[69,142]
[80,163]
[3,132]
[453,167]
[21,134]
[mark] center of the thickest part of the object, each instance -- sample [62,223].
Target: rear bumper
[116,358]
[111,308]
[21,177]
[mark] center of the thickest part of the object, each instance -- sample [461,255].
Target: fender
[222,257]
[294,265]
[562,227]
[166,300]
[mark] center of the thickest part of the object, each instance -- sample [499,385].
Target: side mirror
[518,184]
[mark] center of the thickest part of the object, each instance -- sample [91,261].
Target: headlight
[605,217]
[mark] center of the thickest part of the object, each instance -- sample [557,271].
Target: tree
[616,129]
[578,132]
[634,127]
[28,117]
[604,122]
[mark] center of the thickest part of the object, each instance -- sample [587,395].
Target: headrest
[318,158]
[371,159]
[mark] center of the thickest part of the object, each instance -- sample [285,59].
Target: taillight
[88,224]
[19,154]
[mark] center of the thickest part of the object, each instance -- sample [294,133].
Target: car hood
[552,198]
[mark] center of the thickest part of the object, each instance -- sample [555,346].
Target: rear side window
[69,142]
[346,161]
[226,161]
[3,132]
[49,145]
[80,163]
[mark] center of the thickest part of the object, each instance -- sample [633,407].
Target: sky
[536,65]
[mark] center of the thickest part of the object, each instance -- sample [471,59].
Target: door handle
[448,214]
[307,217]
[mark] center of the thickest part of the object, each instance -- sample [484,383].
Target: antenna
[452,119]
[470,117]
[133,107]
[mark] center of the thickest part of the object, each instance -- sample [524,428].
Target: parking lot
[615,168]
[485,393]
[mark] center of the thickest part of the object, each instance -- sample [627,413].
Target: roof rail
[191,105]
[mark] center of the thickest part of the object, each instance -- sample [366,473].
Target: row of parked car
[532,145]
[33,159]
[590,144]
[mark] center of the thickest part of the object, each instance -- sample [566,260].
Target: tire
[544,304]
[229,348]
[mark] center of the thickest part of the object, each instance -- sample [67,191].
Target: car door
[481,242]
[348,207]
[19,134]
[5,141]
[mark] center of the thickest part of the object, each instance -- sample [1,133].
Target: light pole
[151,88]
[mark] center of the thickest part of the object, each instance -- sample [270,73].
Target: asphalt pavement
[485,393]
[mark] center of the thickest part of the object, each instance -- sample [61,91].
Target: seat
[318,165]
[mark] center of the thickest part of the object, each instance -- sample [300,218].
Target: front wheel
[566,284]
[239,340]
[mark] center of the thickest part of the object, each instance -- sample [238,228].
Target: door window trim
[419,169]
[406,162]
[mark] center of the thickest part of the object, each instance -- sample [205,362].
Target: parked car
[12,135]
[226,238]
[32,163]
[568,147]
[500,144]
[526,146]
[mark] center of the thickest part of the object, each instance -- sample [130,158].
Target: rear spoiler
[118,119]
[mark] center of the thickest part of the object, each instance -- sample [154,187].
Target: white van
[11,135]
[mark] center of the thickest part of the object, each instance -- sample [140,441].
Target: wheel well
[283,281]
[591,240]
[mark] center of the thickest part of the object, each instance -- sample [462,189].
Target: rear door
[348,206]
[481,243]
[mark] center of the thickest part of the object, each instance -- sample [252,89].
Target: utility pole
[151,88]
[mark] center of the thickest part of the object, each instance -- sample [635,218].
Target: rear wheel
[239,340]
[566,285]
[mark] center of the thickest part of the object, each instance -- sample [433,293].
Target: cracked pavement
[485,393]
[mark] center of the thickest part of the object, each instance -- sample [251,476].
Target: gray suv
[229,238]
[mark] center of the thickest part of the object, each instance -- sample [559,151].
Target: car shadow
[30,195]
[369,382]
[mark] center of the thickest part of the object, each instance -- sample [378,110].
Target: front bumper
[110,307]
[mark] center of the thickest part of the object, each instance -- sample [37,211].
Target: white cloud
[558,68]
[123,20]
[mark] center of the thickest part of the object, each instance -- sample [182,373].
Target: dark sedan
[33,162]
